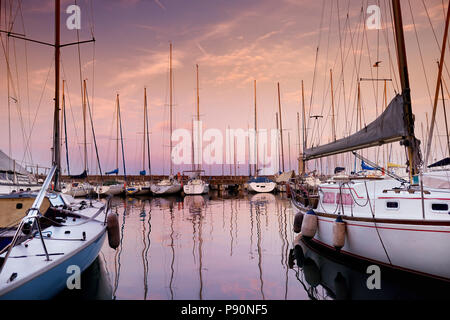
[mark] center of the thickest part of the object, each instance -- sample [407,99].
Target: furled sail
[387,128]
[84,175]
[112,172]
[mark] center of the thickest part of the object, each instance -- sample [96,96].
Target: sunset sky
[234,42]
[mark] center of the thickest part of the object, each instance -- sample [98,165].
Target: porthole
[19,206]
[439,207]
[392,205]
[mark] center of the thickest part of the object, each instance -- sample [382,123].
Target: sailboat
[143,188]
[113,188]
[81,189]
[393,222]
[259,184]
[195,185]
[171,185]
[69,233]
[15,179]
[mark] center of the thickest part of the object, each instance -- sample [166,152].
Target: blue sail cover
[112,172]
[364,166]
[143,173]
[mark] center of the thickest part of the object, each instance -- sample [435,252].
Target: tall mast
[304,126]
[278,142]
[406,90]
[281,127]
[299,145]
[117,135]
[198,118]
[256,133]
[289,150]
[333,120]
[171,105]
[438,85]
[145,129]
[148,138]
[56,125]
[84,126]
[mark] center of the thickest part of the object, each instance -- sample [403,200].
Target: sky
[234,43]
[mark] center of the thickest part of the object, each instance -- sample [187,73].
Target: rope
[375,223]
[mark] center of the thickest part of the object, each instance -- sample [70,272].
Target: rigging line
[420,53]
[93,135]
[342,56]
[27,76]
[71,111]
[370,61]
[18,98]
[355,70]
[18,103]
[378,70]
[392,73]
[375,223]
[27,151]
[114,117]
[315,66]
[39,106]
[65,134]
[326,82]
[435,37]
[445,65]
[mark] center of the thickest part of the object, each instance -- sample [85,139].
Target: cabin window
[329,198]
[347,199]
[19,206]
[439,207]
[392,205]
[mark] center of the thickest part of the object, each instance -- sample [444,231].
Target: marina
[224,158]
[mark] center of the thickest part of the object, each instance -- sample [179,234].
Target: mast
[56,125]
[289,150]
[439,80]
[300,167]
[256,133]
[281,126]
[145,129]
[333,120]
[171,106]
[278,142]
[198,119]
[84,126]
[121,141]
[406,90]
[148,137]
[304,127]
[117,135]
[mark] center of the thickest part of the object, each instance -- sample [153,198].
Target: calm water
[227,249]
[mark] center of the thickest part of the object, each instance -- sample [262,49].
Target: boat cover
[387,128]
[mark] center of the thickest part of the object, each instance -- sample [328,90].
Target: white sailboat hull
[6,189]
[34,278]
[196,189]
[82,190]
[166,190]
[113,190]
[264,187]
[415,246]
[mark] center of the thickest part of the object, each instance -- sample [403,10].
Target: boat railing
[33,215]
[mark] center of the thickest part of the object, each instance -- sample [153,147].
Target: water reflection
[228,247]
[325,276]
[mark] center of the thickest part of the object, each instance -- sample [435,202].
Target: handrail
[32,215]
